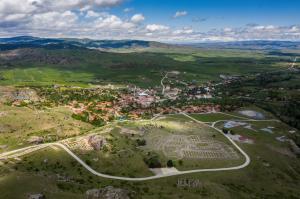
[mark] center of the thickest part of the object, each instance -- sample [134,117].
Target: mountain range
[67,43]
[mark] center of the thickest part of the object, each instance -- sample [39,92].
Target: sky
[174,21]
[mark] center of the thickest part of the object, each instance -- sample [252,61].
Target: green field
[213,117]
[18,124]
[144,69]
[124,150]
[134,146]
[266,177]
[44,76]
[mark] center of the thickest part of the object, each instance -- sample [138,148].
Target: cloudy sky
[160,20]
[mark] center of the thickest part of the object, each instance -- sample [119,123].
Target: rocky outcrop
[35,140]
[36,196]
[97,142]
[25,94]
[107,193]
[10,94]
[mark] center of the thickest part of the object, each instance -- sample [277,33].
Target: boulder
[97,142]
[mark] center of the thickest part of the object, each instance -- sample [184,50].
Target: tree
[152,160]
[180,162]
[225,130]
[170,163]
[141,142]
[88,162]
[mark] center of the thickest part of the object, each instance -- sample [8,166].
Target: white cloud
[110,22]
[156,27]
[108,3]
[183,31]
[264,28]
[257,32]
[128,9]
[39,6]
[218,38]
[82,18]
[137,18]
[227,29]
[180,14]
[14,17]
[294,29]
[53,20]
[8,7]
[91,14]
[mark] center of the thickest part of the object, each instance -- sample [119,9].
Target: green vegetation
[138,146]
[21,123]
[279,95]
[34,76]
[170,163]
[66,95]
[81,67]
[212,117]
[141,142]
[152,160]
[130,148]
[59,176]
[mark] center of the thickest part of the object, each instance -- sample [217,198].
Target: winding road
[30,149]
[162,83]
[293,64]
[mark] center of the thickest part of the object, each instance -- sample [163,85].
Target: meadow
[18,124]
[59,176]
[84,67]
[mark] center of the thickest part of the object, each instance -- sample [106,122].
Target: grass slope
[78,66]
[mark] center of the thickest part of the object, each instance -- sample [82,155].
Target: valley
[158,122]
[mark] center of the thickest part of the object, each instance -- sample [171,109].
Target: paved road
[293,64]
[162,83]
[27,150]
[247,158]
[23,151]
[213,124]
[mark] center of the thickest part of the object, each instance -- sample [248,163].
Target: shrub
[170,163]
[152,160]
[141,142]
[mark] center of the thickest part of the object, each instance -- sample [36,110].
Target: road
[162,84]
[293,64]
[247,158]
[30,149]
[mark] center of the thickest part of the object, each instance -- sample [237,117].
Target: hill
[251,45]
[51,43]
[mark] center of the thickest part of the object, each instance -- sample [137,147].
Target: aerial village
[135,103]
[99,105]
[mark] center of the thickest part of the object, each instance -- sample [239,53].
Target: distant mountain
[115,45]
[251,45]
[49,43]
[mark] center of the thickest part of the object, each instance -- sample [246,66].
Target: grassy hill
[144,67]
